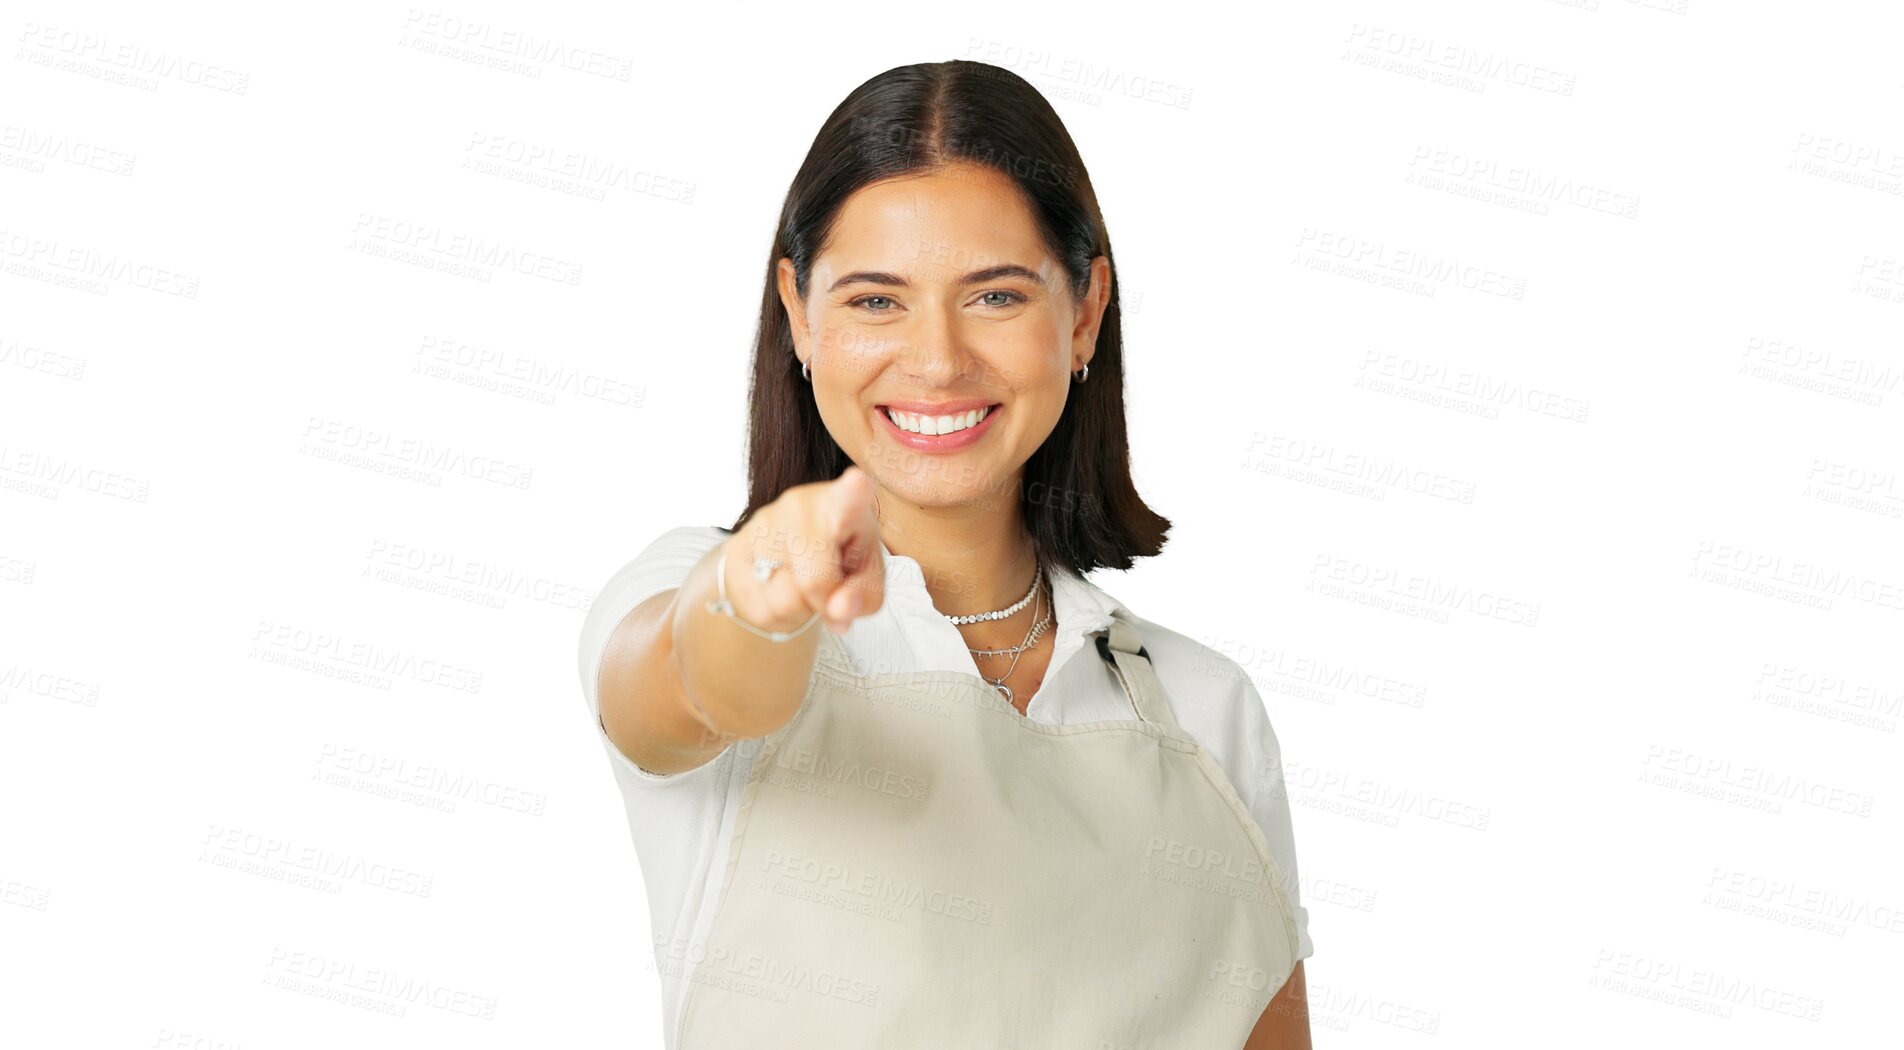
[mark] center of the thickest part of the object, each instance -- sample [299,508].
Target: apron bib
[915,864]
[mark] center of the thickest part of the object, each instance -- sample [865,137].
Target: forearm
[737,683]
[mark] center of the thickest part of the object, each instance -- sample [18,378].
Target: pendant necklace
[1031,639]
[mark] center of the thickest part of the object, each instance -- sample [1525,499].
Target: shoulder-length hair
[1077,496]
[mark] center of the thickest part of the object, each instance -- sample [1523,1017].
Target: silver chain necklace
[1030,642]
[1031,639]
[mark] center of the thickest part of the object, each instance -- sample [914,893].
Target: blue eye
[1011,299]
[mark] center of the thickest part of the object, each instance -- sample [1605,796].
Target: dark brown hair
[1077,497]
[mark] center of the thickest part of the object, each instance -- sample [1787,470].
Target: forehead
[935,226]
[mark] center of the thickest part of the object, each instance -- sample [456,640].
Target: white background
[1524,380]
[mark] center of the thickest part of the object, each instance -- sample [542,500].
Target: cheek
[1050,406]
[857,352]
[1028,364]
[840,409]
[1035,411]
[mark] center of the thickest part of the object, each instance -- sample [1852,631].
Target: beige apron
[915,864]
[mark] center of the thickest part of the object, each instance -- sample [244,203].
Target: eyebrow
[990,273]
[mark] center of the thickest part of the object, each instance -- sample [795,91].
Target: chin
[938,485]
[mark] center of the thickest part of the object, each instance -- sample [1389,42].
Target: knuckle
[787,603]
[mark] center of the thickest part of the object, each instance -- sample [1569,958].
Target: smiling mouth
[930,425]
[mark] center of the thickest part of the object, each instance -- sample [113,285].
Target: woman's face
[934,304]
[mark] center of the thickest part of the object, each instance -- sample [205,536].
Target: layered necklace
[1031,637]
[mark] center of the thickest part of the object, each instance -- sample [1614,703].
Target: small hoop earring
[804,373]
[1084,374]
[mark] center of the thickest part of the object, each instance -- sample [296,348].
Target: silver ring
[764,567]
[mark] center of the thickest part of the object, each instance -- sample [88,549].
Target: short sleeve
[1269,804]
[662,565]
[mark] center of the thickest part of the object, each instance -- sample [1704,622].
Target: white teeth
[934,425]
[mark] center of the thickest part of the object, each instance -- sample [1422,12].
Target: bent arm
[1285,1024]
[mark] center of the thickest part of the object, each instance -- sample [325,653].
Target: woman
[988,805]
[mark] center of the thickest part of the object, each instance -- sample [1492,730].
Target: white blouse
[681,822]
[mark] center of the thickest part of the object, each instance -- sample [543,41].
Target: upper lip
[938,408]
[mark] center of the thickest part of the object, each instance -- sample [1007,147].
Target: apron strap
[1120,647]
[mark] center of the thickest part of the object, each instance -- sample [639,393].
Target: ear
[796,308]
[1091,314]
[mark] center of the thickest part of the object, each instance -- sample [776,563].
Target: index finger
[862,570]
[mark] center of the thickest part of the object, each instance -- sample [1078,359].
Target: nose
[936,348]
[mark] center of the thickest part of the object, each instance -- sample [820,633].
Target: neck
[974,560]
